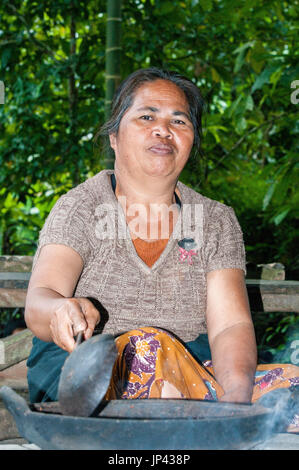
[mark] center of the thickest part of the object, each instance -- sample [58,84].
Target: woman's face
[155,135]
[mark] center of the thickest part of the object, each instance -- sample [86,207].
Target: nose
[161,129]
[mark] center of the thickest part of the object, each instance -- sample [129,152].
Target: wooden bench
[14,277]
[264,295]
[14,349]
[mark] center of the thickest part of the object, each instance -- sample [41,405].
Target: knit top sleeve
[224,247]
[66,225]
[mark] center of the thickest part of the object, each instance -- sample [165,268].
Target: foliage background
[243,54]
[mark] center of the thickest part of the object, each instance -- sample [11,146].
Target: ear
[112,139]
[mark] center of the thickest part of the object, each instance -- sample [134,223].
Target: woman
[156,289]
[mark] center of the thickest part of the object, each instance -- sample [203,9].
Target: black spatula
[86,375]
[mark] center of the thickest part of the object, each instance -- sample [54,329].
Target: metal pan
[141,424]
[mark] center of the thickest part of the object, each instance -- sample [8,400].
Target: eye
[179,121]
[146,117]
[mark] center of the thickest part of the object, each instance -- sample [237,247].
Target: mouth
[161,149]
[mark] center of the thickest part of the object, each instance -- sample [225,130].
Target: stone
[272,272]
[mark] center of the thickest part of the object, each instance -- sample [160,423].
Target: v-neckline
[129,242]
[141,264]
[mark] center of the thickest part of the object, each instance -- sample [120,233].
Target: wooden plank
[275,287]
[12,276]
[260,301]
[12,298]
[10,280]
[273,296]
[15,348]
[12,263]
[16,375]
[280,303]
[264,295]
[16,280]
[8,427]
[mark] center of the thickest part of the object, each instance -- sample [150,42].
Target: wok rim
[256,410]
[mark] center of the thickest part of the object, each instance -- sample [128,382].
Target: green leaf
[257,57]
[215,75]
[241,125]
[165,8]
[275,76]
[5,56]
[206,4]
[263,78]
[269,194]
[237,107]
[280,217]
[241,55]
[249,103]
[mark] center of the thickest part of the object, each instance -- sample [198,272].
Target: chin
[162,168]
[159,172]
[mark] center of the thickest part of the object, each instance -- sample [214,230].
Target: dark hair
[125,94]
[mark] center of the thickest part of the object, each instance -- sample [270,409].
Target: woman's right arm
[51,311]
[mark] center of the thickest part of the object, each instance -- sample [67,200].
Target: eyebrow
[154,110]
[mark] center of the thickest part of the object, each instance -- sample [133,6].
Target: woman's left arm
[231,334]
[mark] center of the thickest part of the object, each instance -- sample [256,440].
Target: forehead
[162,92]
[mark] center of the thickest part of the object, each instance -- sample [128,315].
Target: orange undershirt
[150,251]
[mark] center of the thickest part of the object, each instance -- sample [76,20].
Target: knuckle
[70,302]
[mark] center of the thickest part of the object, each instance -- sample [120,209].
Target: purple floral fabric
[143,354]
[140,356]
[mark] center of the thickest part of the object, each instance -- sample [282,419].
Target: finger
[92,317]
[69,340]
[62,332]
[77,317]
[88,333]
[68,321]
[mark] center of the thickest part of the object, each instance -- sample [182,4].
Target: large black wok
[142,424]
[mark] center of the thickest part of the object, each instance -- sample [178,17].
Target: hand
[71,316]
[237,395]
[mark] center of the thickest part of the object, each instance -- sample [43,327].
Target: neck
[147,192]
[157,201]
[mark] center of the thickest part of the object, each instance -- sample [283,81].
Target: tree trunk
[113,57]
[73,95]
[72,85]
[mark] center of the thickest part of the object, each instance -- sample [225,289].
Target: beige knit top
[171,294]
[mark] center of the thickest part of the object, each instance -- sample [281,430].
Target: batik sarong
[152,363]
